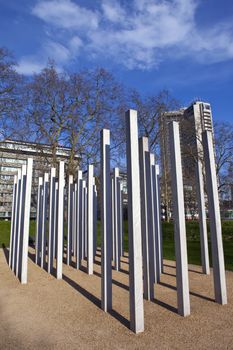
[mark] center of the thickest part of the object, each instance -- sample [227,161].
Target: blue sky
[185,46]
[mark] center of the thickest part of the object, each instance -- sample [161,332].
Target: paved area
[66,314]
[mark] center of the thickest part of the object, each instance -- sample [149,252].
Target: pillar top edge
[116,171]
[52,171]
[130,110]
[105,134]
[105,130]
[144,140]
[152,158]
[29,160]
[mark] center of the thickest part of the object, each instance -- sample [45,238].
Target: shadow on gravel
[195,271]
[6,253]
[191,293]
[117,283]
[168,274]
[165,305]
[95,300]
[32,256]
[173,267]
[124,271]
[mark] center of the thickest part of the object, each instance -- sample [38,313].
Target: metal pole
[69,219]
[134,225]
[13,214]
[182,280]
[90,220]
[60,220]
[215,220]
[52,215]
[106,225]
[26,222]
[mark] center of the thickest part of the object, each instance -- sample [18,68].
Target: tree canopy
[70,108]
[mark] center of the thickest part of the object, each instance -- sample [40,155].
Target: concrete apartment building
[193,121]
[164,120]
[13,154]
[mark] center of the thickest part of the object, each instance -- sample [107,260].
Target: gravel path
[51,314]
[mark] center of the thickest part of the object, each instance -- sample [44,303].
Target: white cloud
[113,11]
[65,14]
[136,33]
[216,45]
[142,33]
[75,44]
[29,66]
[56,51]
[50,50]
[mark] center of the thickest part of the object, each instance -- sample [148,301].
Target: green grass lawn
[194,253]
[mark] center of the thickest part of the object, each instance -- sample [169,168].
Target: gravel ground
[66,314]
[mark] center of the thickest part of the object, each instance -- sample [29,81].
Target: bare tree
[223,143]
[70,110]
[10,96]
[47,108]
[96,103]
[150,109]
[192,152]
[223,137]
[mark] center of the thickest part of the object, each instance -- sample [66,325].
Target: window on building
[8,168]
[6,177]
[207,107]
[12,160]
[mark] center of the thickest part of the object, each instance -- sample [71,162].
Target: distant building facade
[164,120]
[193,121]
[13,154]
